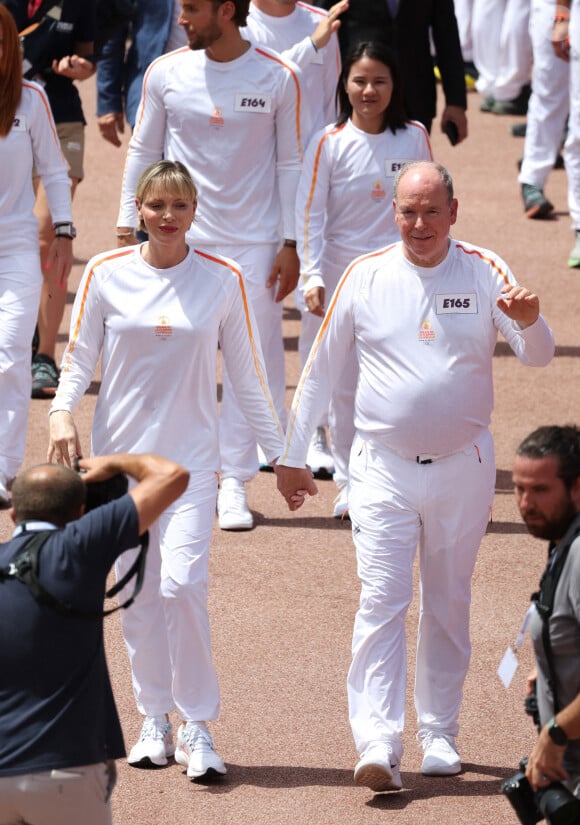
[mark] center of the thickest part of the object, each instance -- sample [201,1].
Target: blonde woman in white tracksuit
[156,314]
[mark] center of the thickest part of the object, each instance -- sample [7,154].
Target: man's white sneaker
[155,744]
[379,769]
[318,457]
[196,753]
[232,506]
[440,755]
[340,509]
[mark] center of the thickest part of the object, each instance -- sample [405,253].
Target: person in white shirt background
[27,136]
[344,209]
[306,35]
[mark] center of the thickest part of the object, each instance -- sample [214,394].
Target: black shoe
[487,104]
[519,129]
[536,205]
[45,376]
[517,106]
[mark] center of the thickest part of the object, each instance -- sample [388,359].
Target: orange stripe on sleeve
[47,108]
[256,360]
[316,345]
[298,95]
[75,333]
[146,77]
[313,189]
[485,258]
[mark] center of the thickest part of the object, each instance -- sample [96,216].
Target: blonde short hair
[167,176]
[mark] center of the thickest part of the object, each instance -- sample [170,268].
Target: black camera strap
[25,566]
[544,599]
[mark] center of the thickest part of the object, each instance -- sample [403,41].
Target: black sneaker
[536,205]
[45,375]
[519,129]
[517,106]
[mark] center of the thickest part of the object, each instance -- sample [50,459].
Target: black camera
[531,706]
[556,804]
[101,492]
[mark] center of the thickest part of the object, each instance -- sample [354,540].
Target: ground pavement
[282,597]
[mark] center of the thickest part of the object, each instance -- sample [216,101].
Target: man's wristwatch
[65,230]
[557,734]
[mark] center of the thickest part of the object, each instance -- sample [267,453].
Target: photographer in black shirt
[59,729]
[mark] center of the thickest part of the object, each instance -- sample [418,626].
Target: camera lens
[558,805]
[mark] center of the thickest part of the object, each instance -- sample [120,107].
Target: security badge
[251,102]
[456,303]
[392,166]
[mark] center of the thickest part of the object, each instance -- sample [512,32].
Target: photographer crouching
[59,728]
[546,477]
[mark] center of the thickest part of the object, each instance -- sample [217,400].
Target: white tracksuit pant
[397,504]
[20,285]
[572,145]
[239,455]
[549,101]
[166,629]
[502,50]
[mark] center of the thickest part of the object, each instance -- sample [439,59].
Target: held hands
[285,272]
[111,126]
[519,304]
[314,300]
[328,25]
[295,483]
[64,444]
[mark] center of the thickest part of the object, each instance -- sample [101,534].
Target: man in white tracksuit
[422,316]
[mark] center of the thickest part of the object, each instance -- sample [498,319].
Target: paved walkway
[283,597]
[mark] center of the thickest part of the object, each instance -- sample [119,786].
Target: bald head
[48,492]
[425,210]
[424,171]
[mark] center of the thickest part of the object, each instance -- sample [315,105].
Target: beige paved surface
[282,597]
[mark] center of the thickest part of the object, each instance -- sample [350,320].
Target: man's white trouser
[572,145]
[397,504]
[502,49]
[549,102]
